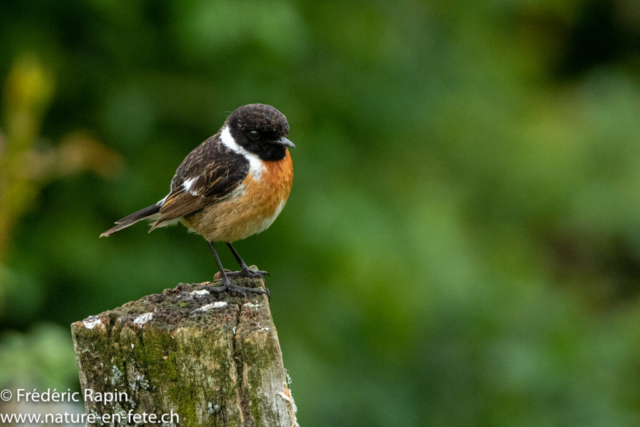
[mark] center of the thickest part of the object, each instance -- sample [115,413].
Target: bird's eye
[254,134]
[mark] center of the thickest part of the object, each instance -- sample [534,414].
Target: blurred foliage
[462,243]
[39,358]
[27,92]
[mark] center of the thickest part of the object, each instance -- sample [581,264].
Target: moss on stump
[212,359]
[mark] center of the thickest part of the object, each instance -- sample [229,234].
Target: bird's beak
[285,141]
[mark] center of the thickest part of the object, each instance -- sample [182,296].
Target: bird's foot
[249,272]
[242,290]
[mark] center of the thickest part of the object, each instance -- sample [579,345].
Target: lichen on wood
[212,359]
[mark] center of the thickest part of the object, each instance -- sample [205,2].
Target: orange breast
[250,209]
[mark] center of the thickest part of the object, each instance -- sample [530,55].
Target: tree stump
[211,359]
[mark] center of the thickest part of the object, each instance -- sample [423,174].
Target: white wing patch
[255,164]
[188,184]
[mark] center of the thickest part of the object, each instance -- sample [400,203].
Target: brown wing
[208,174]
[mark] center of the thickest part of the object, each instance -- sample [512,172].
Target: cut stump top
[213,359]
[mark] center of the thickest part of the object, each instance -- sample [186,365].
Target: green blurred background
[462,243]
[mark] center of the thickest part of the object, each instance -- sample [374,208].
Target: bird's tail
[132,219]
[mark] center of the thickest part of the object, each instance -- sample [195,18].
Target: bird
[230,187]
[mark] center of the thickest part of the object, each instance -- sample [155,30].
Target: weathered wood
[213,360]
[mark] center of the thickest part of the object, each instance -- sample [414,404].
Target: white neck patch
[255,164]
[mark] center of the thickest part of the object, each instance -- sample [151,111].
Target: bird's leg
[245,271]
[226,283]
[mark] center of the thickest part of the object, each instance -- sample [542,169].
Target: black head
[260,129]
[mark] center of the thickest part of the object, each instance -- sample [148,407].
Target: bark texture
[215,360]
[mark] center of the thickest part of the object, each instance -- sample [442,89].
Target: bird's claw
[247,272]
[242,290]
